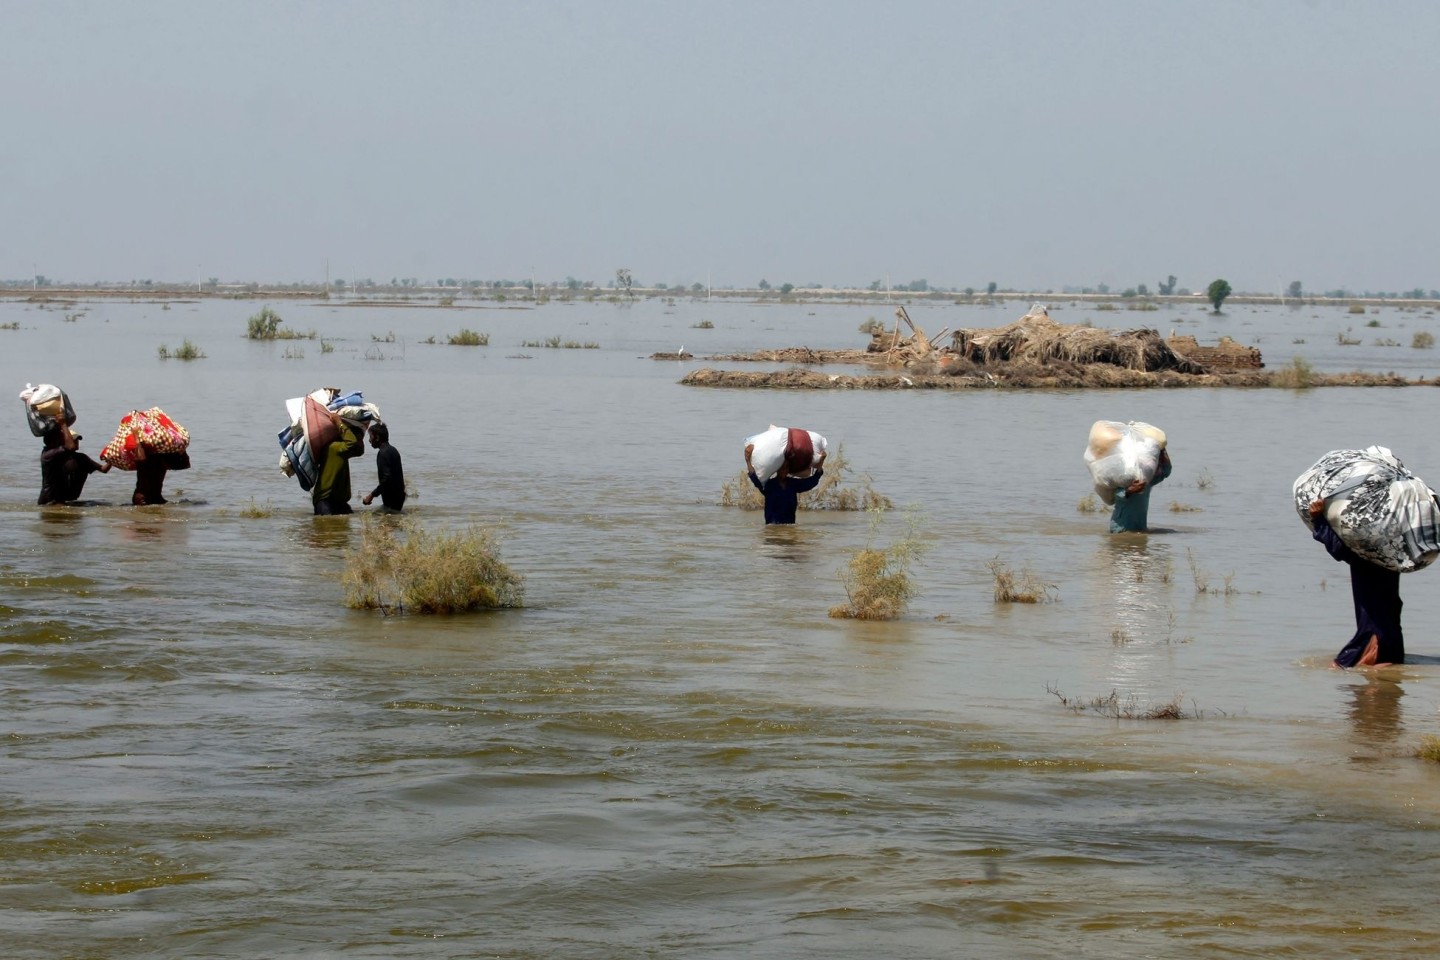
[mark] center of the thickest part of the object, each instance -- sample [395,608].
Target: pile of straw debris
[1036,339]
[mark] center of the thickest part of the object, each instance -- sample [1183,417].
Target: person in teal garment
[1132,504]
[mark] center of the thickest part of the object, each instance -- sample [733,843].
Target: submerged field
[673,747]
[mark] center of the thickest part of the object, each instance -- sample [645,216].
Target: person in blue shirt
[1132,504]
[782,492]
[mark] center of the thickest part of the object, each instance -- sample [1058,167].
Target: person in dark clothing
[1378,639]
[150,470]
[63,468]
[331,493]
[782,492]
[391,489]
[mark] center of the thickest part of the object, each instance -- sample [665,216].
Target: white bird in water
[682,349]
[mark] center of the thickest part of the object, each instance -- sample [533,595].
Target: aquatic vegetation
[1201,578]
[1429,748]
[1205,479]
[878,584]
[468,338]
[293,353]
[389,337]
[401,566]
[1295,375]
[703,325]
[836,490]
[1357,308]
[1022,587]
[255,511]
[186,351]
[554,343]
[326,346]
[1088,504]
[1423,340]
[1178,507]
[1129,707]
[265,325]
[12,325]
[1372,323]
[1345,340]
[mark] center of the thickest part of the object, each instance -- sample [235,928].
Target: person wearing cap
[63,468]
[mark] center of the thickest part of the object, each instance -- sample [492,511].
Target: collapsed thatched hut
[1037,339]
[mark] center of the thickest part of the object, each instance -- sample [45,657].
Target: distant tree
[1128,293]
[1103,289]
[918,286]
[1143,290]
[1217,292]
[876,285]
[623,280]
[338,284]
[990,288]
[969,291]
[785,289]
[1294,292]
[697,288]
[1416,294]
[1167,287]
[764,284]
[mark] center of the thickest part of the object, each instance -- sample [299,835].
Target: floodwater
[672,750]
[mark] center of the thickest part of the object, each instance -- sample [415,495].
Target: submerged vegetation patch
[265,325]
[877,580]
[1022,587]
[186,351]
[468,338]
[400,566]
[1130,707]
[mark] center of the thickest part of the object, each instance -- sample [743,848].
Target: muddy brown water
[672,750]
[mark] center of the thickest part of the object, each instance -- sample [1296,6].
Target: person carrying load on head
[782,489]
[63,468]
[1125,461]
[391,489]
[150,443]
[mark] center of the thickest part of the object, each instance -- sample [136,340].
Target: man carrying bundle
[787,453]
[1125,461]
[331,493]
[63,468]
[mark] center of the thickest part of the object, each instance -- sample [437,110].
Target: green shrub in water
[399,565]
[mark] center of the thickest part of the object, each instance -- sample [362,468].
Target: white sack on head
[771,447]
[1379,509]
[1118,454]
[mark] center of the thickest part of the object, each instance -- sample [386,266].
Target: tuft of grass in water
[1024,587]
[557,343]
[255,511]
[1115,707]
[1088,504]
[430,339]
[835,492]
[186,351]
[1423,340]
[401,566]
[1345,340]
[1177,507]
[878,584]
[703,325]
[1295,375]
[263,325]
[468,338]
[1429,748]
[1202,579]
[1119,637]
[12,325]
[388,338]
[1205,480]
[293,353]
[326,346]
[1357,308]
[1372,323]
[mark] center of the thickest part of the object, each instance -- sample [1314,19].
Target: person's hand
[1135,487]
[367,498]
[749,449]
[823,455]
[1317,507]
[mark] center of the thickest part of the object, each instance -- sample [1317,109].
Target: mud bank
[1077,377]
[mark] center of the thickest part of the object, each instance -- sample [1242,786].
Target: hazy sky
[1035,144]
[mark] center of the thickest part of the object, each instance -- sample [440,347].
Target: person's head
[53,438]
[379,435]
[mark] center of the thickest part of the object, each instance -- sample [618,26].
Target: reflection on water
[1375,711]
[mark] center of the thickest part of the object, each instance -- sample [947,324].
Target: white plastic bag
[1118,454]
[771,446]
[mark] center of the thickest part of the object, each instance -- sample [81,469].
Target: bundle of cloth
[153,428]
[45,406]
[310,431]
[799,450]
[1379,509]
[1118,454]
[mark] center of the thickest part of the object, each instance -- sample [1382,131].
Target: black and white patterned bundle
[1381,510]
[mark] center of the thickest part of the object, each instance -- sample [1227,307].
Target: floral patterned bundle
[153,428]
[1381,510]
